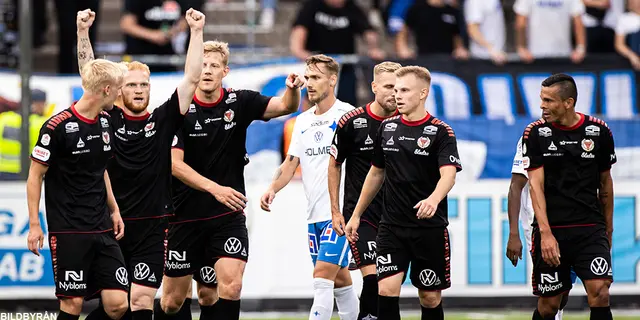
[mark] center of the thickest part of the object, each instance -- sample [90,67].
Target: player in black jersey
[208,162]
[569,156]
[353,142]
[416,157]
[83,218]
[141,170]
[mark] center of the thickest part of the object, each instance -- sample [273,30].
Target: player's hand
[635,62]
[406,53]
[231,198]
[267,199]
[337,221]
[85,19]
[426,208]
[295,81]
[376,53]
[498,56]
[514,249]
[550,249]
[195,19]
[525,55]
[35,239]
[461,54]
[577,56]
[118,225]
[352,230]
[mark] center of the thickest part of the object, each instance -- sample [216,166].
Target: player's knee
[71,305]
[387,290]
[116,307]
[548,307]
[142,301]
[171,303]
[207,296]
[231,289]
[430,299]
[598,295]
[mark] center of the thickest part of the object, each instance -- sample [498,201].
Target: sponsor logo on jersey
[192,108]
[46,138]
[71,127]
[73,280]
[197,126]
[587,155]
[544,132]
[41,153]
[455,160]
[390,142]
[592,130]
[368,140]
[80,143]
[149,126]
[390,126]
[104,123]
[175,141]
[359,123]
[231,99]
[552,147]
[430,130]
[549,282]
[420,152]
[317,137]
[564,143]
[403,138]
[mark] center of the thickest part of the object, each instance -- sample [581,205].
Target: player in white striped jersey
[520,208]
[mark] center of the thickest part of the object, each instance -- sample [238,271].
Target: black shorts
[193,246]
[364,250]
[143,248]
[586,249]
[428,251]
[86,263]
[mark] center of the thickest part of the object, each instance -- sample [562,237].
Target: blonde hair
[98,73]
[136,65]
[329,63]
[219,47]
[386,66]
[420,72]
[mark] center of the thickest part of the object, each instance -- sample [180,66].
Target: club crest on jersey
[587,145]
[46,138]
[231,98]
[423,142]
[592,130]
[149,126]
[104,122]
[430,130]
[359,123]
[106,138]
[544,132]
[228,115]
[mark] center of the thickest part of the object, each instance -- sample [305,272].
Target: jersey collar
[574,127]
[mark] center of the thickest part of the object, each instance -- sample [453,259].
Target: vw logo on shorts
[232,245]
[428,277]
[122,276]
[599,266]
[141,271]
[208,274]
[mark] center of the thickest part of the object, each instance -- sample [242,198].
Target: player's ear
[424,93]
[568,103]
[373,87]
[334,80]
[226,71]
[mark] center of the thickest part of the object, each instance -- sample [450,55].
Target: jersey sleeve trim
[38,161]
[179,148]
[373,165]
[534,168]
[458,167]
[347,116]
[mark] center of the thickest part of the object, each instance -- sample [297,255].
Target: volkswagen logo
[208,274]
[141,271]
[122,276]
[318,136]
[428,277]
[599,266]
[232,245]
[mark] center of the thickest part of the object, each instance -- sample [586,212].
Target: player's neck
[379,111]
[87,107]
[208,97]
[326,104]
[416,115]
[570,120]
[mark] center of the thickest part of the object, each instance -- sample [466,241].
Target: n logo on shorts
[208,274]
[73,276]
[175,255]
[599,266]
[232,245]
[547,278]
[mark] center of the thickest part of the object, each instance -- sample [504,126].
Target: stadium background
[488,107]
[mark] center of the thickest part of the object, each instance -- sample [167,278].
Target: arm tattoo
[85,51]
[291,157]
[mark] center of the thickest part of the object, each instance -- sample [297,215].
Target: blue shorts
[325,245]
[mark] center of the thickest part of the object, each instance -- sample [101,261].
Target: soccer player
[353,142]
[310,144]
[208,160]
[416,157]
[83,218]
[141,172]
[519,205]
[568,156]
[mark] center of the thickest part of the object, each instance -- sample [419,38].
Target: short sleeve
[360,19]
[305,15]
[178,140]
[607,156]
[577,8]
[625,25]
[523,7]
[46,148]
[169,113]
[254,104]
[132,6]
[294,146]
[447,149]
[518,166]
[341,142]
[377,160]
[473,11]
[531,152]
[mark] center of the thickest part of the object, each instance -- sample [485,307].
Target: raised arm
[289,101]
[84,20]
[194,61]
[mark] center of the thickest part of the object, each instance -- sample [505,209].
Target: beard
[133,107]
[319,98]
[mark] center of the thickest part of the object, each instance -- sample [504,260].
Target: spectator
[330,27]
[150,26]
[436,28]
[66,13]
[543,29]
[486,25]
[627,41]
[600,21]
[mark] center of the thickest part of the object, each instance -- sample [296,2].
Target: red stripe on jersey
[349,115]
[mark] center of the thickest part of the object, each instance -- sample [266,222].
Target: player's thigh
[333,249]
[72,256]
[430,259]
[108,270]
[147,253]
[228,238]
[593,256]
[142,297]
[206,276]
[185,250]
[393,256]
[547,281]
[364,249]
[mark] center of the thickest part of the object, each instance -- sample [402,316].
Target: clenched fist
[85,19]
[294,81]
[195,19]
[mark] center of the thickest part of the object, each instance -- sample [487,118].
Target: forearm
[284,174]
[137,31]
[334,174]
[580,33]
[372,185]
[521,32]
[371,39]
[194,60]
[443,187]
[457,42]
[291,99]
[539,206]
[85,50]
[190,177]
[477,36]
[513,210]
[111,199]
[622,48]
[606,201]
[401,40]
[34,190]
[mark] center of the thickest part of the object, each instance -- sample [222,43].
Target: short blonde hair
[219,47]
[136,65]
[420,72]
[98,73]
[329,63]
[386,66]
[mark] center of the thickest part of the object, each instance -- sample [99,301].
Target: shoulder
[342,107]
[62,117]
[595,125]
[439,124]
[350,116]
[392,119]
